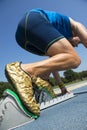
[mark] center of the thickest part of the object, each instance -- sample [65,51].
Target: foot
[43,84]
[23,85]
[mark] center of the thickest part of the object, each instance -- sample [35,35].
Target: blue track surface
[68,115]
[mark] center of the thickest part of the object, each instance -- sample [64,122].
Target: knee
[76,61]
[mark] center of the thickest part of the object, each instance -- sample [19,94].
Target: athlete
[45,33]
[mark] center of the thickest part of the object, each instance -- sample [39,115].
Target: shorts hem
[52,42]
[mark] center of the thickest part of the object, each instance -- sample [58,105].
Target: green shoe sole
[19,103]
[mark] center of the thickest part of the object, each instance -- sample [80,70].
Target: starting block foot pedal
[12,112]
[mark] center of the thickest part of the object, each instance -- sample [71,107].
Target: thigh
[61,46]
[33,49]
[40,32]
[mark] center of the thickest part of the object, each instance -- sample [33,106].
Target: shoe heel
[7,76]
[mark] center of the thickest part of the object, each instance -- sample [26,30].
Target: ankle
[27,69]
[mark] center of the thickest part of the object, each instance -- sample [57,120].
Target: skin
[62,55]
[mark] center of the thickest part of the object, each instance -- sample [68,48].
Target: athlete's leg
[62,56]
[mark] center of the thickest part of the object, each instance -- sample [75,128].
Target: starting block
[55,101]
[14,114]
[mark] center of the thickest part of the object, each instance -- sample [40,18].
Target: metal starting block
[14,114]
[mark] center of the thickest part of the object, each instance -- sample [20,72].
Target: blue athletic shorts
[36,34]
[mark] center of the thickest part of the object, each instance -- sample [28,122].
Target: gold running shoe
[43,84]
[23,85]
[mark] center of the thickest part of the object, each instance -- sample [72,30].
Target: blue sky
[11,12]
